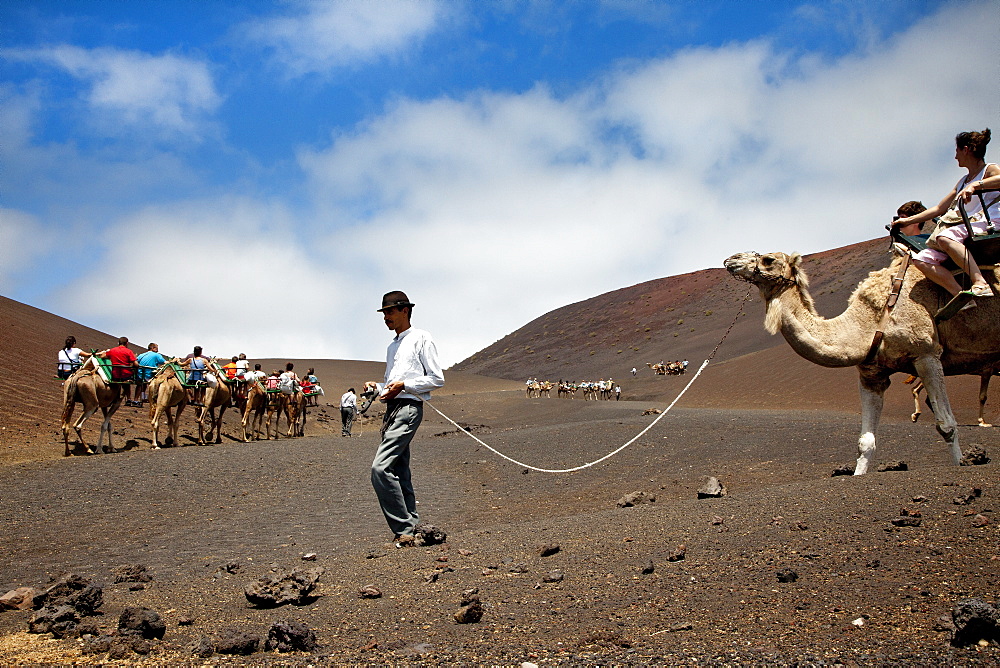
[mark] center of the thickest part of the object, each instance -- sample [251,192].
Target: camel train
[910,341]
[674,368]
[602,389]
[90,385]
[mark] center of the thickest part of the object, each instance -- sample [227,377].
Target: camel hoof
[913,418]
[984,424]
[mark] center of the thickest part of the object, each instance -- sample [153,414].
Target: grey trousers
[347,421]
[391,467]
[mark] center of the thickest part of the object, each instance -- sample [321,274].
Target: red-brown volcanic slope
[678,317]
[207,521]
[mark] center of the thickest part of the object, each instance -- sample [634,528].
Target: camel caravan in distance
[168,393]
[600,389]
[875,337]
[674,368]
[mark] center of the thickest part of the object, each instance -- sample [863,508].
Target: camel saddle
[984,247]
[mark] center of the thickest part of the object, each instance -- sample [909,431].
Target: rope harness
[627,443]
[890,303]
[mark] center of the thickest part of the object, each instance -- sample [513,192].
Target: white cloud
[23,241]
[322,35]
[491,209]
[168,92]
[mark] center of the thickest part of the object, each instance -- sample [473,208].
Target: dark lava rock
[295,587]
[132,573]
[968,497]
[678,554]
[234,641]
[73,590]
[88,629]
[428,534]
[975,620]
[711,489]
[98,645]
[553,576]
[787,575]
[204,647]
[648,568]
[635,498]
[470,613]
[141,621]
[51,615]
[548,549]
[974,456]
[846,469]
[906,521]
[892,466]
[290,637]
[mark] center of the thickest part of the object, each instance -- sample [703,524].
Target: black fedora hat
[395,298]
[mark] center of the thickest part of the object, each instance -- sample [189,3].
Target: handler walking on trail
[412,370]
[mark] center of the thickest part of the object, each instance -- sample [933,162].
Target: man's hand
[392,390]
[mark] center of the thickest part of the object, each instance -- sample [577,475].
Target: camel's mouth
[741,265]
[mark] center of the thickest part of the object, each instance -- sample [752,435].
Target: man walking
[348,408]
[411,372]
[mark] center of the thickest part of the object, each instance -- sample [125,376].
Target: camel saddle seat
[182,377]
[984,247]
[105,369]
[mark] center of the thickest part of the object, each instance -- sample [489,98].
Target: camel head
[773,274]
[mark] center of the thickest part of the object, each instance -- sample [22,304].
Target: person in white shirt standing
[348,408]
[412,370]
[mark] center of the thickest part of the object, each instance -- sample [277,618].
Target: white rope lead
[582,466]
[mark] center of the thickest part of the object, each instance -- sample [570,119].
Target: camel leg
[872,387]
[917,389]
[984,386]
[109,412]
[932,374]
[67,416]
[154,422]
[218,423]
[78,426]
[175,427]
[202,413]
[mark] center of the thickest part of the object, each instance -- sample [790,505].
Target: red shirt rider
[123,363]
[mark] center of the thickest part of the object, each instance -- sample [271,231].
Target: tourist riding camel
[87,387]
[970,153]
[253,410]
[910,341]
[165,395]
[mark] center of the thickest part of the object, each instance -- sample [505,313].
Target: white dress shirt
[412,358]
[349,400]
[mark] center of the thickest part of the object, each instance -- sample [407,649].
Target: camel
[984,385]
[531,389]
[544,389]
[658,369]
[296,414]
[566,388]
[90,389]
[256,404]
[216,396]
[911,343]
[277,402]
[165,393]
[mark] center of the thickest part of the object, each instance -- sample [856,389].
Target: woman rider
[970,153]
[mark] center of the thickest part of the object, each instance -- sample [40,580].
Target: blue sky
[253,176]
